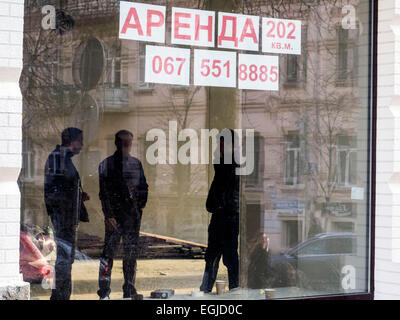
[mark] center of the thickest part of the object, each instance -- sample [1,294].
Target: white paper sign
[215,68]
[143,22]
[237,31]
[258,72]
[167,65]
[193,27]
[281,36]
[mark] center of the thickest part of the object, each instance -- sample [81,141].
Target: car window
[340,246]
[315,247]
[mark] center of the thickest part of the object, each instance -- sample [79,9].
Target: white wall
[11,27]
[387,252]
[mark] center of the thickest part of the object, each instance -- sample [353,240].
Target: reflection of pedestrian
[64,202]
[123,194]
[223,203]
[259,271]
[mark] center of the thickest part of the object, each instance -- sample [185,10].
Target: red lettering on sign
[254,73]
[132,14]
[288,46]
[169,67]
[155,24]
[249,34]
[233,37]
[179,25]
[293,26]
[208,27]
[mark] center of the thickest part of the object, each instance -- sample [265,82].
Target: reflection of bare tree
[321,104]
[46,96]
[186,178]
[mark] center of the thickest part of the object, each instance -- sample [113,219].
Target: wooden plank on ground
[189,243]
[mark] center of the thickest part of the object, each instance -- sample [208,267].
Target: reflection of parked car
[37,248]
[33,265]
[316,263]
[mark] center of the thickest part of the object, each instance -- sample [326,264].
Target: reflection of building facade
[311,135]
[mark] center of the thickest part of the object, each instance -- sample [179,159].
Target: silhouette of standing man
[64,199]
[223,203]
[123,194]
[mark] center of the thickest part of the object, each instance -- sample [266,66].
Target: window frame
[372,131]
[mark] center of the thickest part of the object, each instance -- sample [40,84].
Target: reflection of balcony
[93,9]
[115,99]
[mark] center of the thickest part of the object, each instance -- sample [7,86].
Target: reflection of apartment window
[343,35]
[292,67]
[346,159]
[347,54]
[292,233]
[296,65]
[114,63]
[28,160]
[142,68]
[256,177]
[304,54]
[292,172]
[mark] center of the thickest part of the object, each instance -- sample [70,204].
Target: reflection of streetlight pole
[316,89]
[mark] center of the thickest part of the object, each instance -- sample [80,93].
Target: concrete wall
[387,262]
[11,27]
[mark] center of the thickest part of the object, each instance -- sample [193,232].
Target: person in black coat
[64,201]
[223,203]
[259,271]
[123,194]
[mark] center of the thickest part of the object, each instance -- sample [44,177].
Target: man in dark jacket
[223,203]
[64,199]
[123,194]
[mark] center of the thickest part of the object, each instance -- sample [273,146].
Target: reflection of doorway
[253,222]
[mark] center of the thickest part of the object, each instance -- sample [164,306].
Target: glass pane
[289,212]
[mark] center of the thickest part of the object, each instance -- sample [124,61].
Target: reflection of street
[184,276]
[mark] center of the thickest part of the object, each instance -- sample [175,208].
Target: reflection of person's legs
[130,240]
[111,244]
[65,241]
[212,256]
[230,251]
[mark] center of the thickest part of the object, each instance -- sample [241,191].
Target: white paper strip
[167,65]
[214,68]
[281,36]
[258,72]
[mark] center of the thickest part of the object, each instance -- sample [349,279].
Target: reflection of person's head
[227,148]
[72,138]
[263,240]
[123,141]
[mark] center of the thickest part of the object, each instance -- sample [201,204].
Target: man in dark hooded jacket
[223,203]
[64,199]
[123,194]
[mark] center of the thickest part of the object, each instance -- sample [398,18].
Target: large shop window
[287,82]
